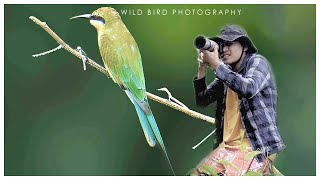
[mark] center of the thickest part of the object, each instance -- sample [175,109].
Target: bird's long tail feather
[150,128]
[156,131]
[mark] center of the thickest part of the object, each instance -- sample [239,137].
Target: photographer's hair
[245,42]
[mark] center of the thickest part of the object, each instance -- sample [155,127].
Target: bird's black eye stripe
[95,17]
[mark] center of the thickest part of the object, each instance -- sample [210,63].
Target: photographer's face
[231,52]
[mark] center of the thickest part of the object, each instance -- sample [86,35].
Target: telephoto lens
[203,43]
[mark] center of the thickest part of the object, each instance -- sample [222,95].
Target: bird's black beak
[86,16]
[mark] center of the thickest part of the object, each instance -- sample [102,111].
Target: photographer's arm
[201,72]
[252,82]
[205,95]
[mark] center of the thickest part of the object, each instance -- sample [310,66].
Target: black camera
[203,43]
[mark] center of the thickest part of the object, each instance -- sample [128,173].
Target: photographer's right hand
[202,65]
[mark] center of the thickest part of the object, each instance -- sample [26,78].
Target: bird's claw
[83,57]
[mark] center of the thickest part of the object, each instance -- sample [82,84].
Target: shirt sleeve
[254,80]
[207,94]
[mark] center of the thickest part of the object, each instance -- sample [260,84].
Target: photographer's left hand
[212,58]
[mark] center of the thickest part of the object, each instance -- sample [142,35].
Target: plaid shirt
[256,89]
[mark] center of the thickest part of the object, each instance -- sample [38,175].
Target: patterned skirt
[230,161]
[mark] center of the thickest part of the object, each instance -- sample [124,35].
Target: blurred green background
[61,120]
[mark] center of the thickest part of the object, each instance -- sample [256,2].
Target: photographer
[246,96]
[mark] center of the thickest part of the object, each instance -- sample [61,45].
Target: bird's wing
[123,61]
[131,72]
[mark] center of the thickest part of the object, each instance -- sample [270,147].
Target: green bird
[122,60]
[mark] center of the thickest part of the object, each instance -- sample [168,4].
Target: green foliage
[209,170]
[276,172]
[252,173]
[192,174]
[227,163]
[242,147]
[204,170]
[251,155]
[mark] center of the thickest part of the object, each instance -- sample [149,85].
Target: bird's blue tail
[150,128]
[147,130]
[156,131]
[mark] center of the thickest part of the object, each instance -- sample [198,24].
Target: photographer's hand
[212,58]
[202,66]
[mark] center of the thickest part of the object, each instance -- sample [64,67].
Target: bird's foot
[83,57]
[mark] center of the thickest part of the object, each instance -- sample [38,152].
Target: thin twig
[103,70]
[47,52]
[194,147]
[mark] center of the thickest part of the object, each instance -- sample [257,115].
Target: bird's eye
[97,18]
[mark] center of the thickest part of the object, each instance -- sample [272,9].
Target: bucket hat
[235,33]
